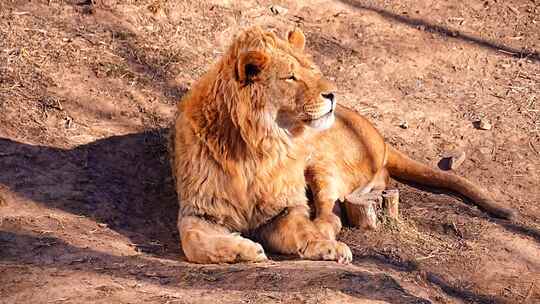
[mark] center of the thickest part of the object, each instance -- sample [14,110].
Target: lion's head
[281,80]
[262,92]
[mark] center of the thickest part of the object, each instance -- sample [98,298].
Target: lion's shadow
[257,279]
[122,181]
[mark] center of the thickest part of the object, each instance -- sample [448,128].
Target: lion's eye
[290,78]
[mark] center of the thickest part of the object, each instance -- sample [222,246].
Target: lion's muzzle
[320,115]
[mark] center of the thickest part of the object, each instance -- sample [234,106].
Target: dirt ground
[88,90]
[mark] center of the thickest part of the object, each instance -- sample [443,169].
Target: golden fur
[258,128]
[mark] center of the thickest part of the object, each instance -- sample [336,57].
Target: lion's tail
[403,167]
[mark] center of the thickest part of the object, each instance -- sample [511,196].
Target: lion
[258,129]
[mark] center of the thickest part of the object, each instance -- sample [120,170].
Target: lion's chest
[275,186]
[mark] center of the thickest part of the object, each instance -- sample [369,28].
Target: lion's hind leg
[294,233]
[206,242]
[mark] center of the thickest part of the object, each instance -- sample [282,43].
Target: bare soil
[88,89]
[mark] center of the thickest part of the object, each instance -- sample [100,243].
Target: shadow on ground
[441,30]
[29,249]
[437,280]
[123,181]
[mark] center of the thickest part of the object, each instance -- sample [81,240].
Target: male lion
[254,132]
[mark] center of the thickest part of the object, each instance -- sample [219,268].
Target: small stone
[404,125]
[483,124]
[456,159]
[278,10]
[68,122]
[485,150]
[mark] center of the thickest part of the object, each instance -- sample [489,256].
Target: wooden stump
[391,203]
[363,210]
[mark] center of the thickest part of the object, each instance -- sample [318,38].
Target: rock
[485,150]
[68,122]
[404,125]
[483,124]
[455,160]
[278,10]
[452,160]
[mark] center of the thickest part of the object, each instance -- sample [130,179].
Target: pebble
[404,125]
[456,159]
[485,150]
[278,10]
[483,124]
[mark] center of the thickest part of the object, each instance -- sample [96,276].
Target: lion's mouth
[330,109]
[322,122]
[322,117]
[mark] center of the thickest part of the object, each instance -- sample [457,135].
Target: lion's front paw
[328,250]
[328,225]
[250,251]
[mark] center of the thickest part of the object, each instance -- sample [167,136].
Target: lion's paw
[328,250]
[251,252]
[328,225]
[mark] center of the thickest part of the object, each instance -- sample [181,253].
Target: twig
[529,293]
[44,231]
[513,9]
[44,32]
[507,52]
[54,217]
[14,265]
[431,255]
[533,148]
[424,258]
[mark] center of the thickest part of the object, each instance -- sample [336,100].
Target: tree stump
[391,203]
[363,210]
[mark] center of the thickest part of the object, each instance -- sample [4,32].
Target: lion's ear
[297,39]
[250,65]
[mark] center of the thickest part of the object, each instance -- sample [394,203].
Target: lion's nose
[329,96]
